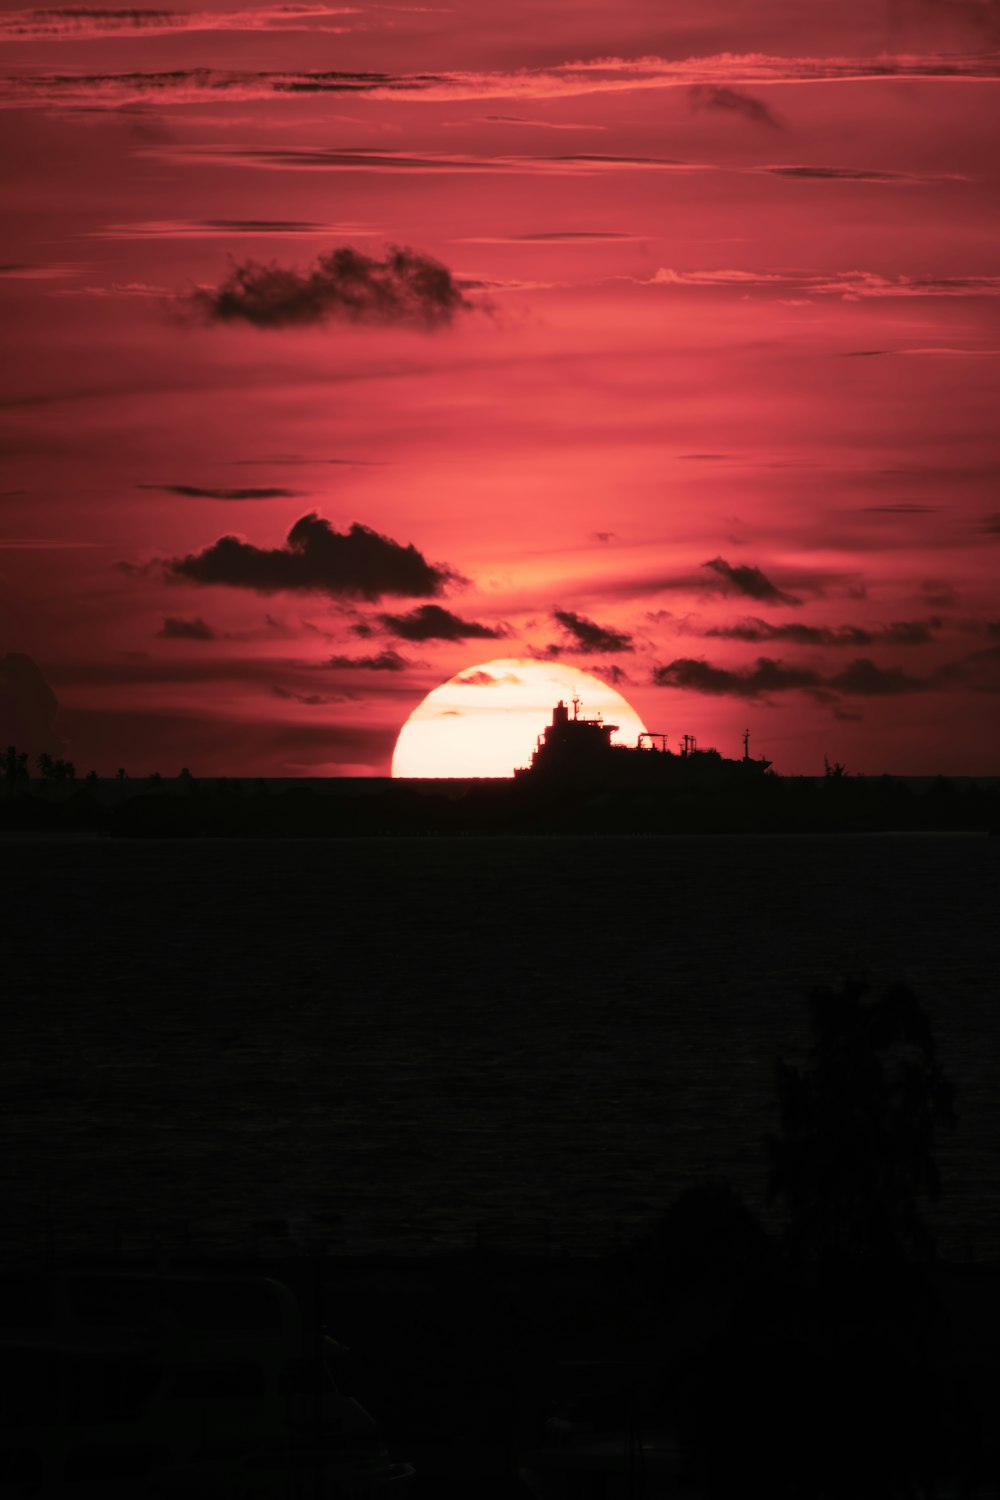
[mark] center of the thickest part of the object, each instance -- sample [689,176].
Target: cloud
[743,578]
[903,509]
[450,163]
[899,633]
[479,678]
[175,629]
[79,23]
[587,635]
[938,592]
[549,237]
[734,102]
[861,678]
[216,229]
[992,523]
[765,676]
[612,672]
[846,174]
[566,80]
[28,707]
[850,286]
[343,284]
[196,492]
[429,622]
[356,564]
[311,700]
[384,661]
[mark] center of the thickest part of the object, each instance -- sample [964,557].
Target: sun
[484,721]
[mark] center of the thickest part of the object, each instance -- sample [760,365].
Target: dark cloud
[175,629]
[479,678]
[903,509]
[385,661]
[344,284]
[587,635]
[605,536]
[861,678]
[992,523]
[864,679]
[612,673]
[938,592]
[841,174]
[765,676]
[28,707]
[743,578]
[198,492]
[899,633]
[429,622]
[311,700]
[734,102]
[356,564]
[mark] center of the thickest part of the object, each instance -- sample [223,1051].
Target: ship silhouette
[577,751]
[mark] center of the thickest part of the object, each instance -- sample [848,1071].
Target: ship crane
[652,735]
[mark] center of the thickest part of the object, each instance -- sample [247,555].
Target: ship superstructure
[577,749]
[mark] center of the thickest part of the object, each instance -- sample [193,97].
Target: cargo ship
[577,750]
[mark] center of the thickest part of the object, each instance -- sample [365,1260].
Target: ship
[576,750]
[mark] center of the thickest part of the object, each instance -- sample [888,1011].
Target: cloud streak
[80,23]
[240,492]
[899,633]
[566,80]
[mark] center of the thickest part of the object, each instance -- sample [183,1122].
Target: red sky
[704,400]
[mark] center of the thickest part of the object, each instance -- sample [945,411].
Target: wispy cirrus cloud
[84,23]
[850,286]
[227,229]
[565,80]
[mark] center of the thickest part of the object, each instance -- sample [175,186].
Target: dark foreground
[698,1366]
[184,807]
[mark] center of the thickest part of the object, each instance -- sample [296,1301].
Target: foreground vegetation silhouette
[833,1375]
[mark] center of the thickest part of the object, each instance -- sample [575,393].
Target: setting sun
[485,720]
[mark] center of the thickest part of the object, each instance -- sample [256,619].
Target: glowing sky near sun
[486,719]
[690,380]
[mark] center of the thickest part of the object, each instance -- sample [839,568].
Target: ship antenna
[576,705]
[746,744]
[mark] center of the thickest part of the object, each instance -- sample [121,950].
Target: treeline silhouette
[187,806]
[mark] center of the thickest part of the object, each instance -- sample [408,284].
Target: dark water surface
[385,1041]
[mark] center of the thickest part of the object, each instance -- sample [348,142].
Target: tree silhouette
[14,766]
[56,770]
[855,1152]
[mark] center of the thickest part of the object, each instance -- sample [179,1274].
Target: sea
[406,1046]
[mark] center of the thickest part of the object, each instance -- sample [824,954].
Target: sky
[347,347]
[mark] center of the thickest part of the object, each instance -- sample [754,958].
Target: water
[387,1041]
